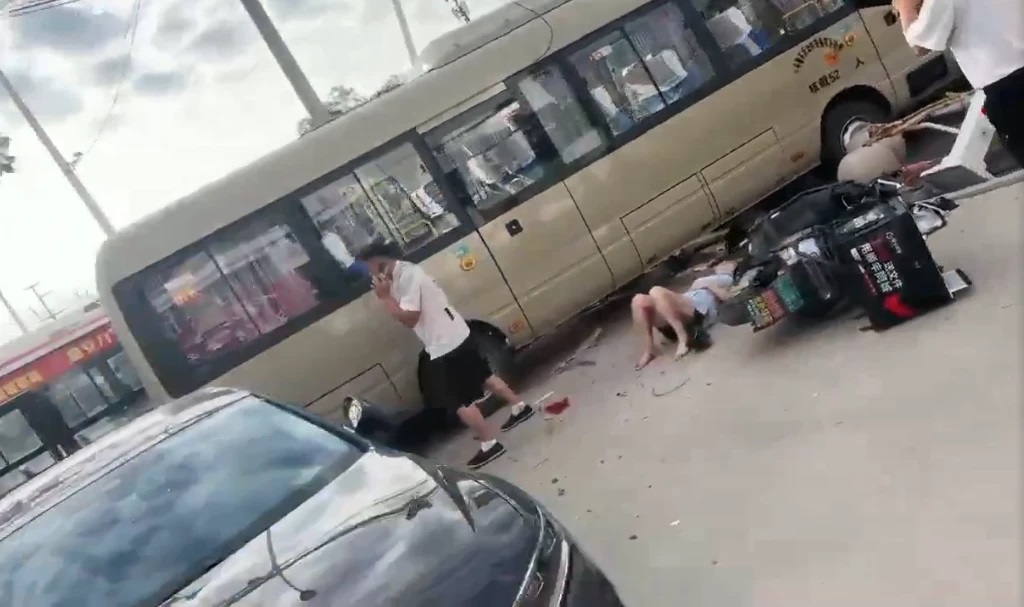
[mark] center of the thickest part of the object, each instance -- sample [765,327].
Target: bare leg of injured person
[643,320]
[677,311]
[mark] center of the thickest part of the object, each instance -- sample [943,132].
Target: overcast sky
[199,95]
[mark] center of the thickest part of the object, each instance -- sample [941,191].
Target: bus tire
[837,120]
[494,347]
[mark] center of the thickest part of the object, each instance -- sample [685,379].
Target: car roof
[69,476]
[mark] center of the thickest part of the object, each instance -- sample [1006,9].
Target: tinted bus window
[392,198]
[560,114]
[17,439]
[652,61]
[745,29]
[495,151]
[245,282]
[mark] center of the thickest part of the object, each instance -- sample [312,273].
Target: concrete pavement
[808,465]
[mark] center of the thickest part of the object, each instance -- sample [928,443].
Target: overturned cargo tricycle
[845,243]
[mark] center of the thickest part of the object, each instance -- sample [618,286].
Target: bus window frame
[561,60]
[554,174]
[725,73]
[7,466]
[169,364]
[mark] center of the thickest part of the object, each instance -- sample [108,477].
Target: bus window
[17,439]
[124,371]
[676,61]
[392,198]
[496,151]
[651,61]
[246,282]
[560,114]
[618,81]
[745,29]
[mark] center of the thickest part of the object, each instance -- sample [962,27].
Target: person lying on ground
[681,317]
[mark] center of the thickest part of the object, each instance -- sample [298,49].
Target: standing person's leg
[677,310]
[1004,106]
[466,374]
[644,317]
[520,410]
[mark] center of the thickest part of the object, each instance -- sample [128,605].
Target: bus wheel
[841,124]
[494,347]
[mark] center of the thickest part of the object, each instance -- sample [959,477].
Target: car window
[158,522]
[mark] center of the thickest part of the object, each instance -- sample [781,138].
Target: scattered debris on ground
[670,391]
[571,361]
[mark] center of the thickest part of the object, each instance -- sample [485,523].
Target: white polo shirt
[985,36]
[440,328]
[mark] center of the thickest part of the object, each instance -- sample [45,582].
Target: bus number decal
[831,47]
[825,81]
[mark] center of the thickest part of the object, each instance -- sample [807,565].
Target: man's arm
[408,318]
[405,309]
[932,26]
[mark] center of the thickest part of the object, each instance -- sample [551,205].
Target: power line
[130,34]
[29,7]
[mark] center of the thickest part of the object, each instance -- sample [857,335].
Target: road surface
[808,465]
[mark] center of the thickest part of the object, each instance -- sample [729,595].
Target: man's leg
[474,420]
[677,311]
[1003,106]
[644,316]
[520,410]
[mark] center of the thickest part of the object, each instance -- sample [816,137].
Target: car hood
[391,530]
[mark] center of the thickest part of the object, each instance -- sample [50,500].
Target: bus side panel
[318,361]
[749,173]
[897,56]
[373,385]
[654,227]
[651,165]
[549,258]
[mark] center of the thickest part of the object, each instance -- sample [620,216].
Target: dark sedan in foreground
[224,498]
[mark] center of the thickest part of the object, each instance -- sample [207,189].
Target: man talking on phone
[410,296]
[987,39]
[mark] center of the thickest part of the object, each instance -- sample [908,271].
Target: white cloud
[202,96]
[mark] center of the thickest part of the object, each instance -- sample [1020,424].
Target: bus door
[502,166]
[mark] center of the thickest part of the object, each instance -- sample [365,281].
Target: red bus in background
[77,362]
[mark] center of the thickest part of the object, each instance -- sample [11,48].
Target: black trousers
[1004,106]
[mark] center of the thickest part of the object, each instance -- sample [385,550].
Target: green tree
[343,99]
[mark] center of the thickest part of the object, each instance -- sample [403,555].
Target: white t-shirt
[440,328]
[985,36]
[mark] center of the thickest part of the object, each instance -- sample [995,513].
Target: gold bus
[548,153]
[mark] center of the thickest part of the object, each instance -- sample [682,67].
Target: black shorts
[460,374]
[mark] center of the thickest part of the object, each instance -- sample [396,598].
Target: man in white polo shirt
[987,39]
[412,298]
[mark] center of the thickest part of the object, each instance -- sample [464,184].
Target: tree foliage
[343,99]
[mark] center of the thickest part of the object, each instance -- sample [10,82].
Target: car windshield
[156,523]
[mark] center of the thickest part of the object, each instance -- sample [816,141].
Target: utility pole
[69,173]
[50,314]
[460,10]
[14,314]
[318,113]
[403,25]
